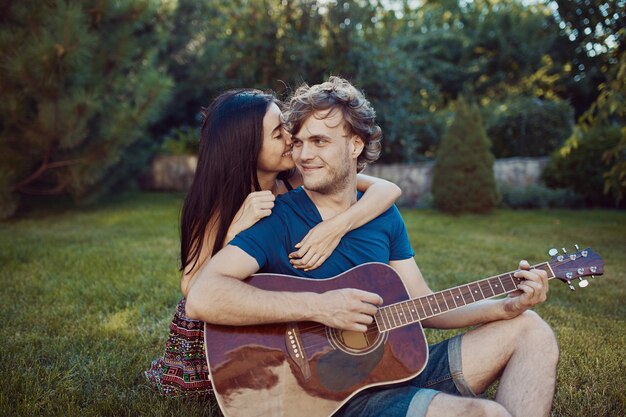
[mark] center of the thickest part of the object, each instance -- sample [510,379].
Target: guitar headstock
[580,264]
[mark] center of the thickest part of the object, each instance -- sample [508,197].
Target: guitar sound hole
[355,342]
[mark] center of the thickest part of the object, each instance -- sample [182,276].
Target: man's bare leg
[523,353]
[450,405]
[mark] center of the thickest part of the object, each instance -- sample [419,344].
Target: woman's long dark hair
[230,142]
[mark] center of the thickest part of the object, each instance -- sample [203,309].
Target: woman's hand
[257,205]
[318,244]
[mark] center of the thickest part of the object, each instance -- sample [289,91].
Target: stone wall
[175,173]
[415,179]
[170,173]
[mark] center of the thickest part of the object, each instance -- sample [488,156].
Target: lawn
[87,295]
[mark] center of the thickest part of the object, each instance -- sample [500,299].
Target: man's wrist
[507,311]
[301,306]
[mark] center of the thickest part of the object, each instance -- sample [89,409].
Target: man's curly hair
[338,94]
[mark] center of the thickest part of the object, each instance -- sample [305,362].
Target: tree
[608,112]
[80,86]
[591,37]
[463,179]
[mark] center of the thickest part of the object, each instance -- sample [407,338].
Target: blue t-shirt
[272,239]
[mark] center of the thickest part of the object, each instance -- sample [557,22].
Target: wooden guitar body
[308,369]
[305,368]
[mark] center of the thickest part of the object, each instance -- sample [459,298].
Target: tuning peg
[593,276]
[583,282]
[577,248]
[571,287]
[564,251]
[553,252]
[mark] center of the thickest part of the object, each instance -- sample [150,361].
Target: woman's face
[275,155]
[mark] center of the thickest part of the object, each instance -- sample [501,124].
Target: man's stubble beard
[337,179]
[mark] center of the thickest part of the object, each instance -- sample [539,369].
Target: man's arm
[219,295]
[533,291]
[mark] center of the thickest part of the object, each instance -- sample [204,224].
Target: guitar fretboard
[407,312]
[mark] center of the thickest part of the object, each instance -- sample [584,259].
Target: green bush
[528,126]
[578,165]
[538,196]
[463,179]
[182,141]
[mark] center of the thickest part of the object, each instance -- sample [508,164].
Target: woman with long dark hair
[244,162]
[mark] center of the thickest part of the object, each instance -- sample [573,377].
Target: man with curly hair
[335,136]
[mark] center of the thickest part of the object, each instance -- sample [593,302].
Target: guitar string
[447,299]
[319,329]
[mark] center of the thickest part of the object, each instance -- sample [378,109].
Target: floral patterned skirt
[182,371]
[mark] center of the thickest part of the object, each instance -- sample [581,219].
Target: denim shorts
[443,373]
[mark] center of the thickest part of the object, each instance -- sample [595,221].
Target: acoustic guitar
[308,369]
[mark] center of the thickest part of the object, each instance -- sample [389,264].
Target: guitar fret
[390,318]
[381,313]
[445,300]
[407,312]
[419,308]
[430,299]
[545,267]
[394,316]
[392,322]
[490,286]
[403,312]
[380,323]
[486,288]
[386,316]
[467,294]
[459,296]
[414,310]
[509,284]
[426,312]
[477,292]
[497,287]
[451,298]
[441,301]
[471,293]
[504,290]
[400,314]
[410,305]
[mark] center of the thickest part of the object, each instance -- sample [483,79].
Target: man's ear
[357,145]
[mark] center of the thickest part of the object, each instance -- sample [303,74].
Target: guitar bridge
[296,352]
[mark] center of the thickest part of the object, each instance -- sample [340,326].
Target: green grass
[87,295]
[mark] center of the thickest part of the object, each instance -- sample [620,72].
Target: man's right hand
[347,309]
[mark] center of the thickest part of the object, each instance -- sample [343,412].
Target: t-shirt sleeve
[400,244]
[259,240]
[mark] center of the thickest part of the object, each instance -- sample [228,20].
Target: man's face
[325,153]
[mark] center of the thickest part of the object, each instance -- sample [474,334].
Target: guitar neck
[408,312]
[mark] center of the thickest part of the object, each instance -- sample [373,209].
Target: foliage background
[92,89]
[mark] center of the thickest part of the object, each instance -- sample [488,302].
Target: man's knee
[445,405]
[534,331]
[493,409]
